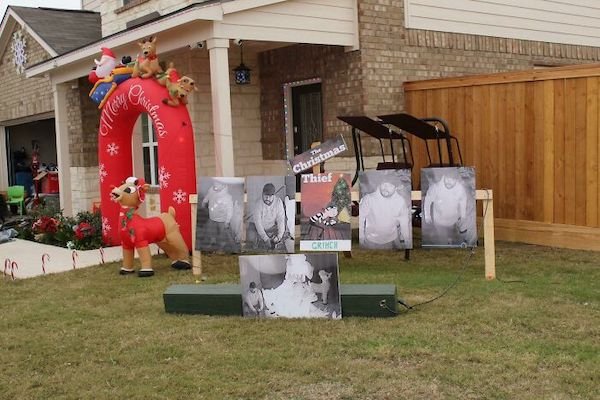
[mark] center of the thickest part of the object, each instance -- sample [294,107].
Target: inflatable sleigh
[104,87]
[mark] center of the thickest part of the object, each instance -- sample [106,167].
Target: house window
[150,149]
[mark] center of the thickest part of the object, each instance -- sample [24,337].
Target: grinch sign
[326,213]
[318,154]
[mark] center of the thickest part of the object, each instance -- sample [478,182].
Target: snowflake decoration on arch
[105,226]
[112,149]
[102,172]
[163,177]
[18,50]
[179,196]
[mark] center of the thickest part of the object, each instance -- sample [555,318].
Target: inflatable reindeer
[178,87]
[137,232]
[147,65]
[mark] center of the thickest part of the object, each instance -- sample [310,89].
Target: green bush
[87,230]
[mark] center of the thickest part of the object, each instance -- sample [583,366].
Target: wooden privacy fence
[533,137]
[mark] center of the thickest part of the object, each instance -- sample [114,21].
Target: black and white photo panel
[385,210]
[291,286]
[448,207]
[220,212]
[325,219]
[270,214]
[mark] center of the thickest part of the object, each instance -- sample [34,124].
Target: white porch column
[3,160]
[63,157]
[218,51]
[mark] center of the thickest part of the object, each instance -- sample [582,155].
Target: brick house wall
[84,118]
[83,123]
[115,16]
[369,81]
[21,97]
[245,100]
[341,88]
[245,109]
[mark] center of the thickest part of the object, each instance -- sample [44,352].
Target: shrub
[82,232]
[87,230]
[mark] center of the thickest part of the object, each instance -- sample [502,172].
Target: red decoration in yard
[173,129]
[137,233]
[83,230]
[123,93]
[45,224]
[74,256]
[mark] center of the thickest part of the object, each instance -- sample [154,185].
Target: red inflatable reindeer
[137,232]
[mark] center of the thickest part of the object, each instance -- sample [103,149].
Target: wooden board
[554,235]
[591,153]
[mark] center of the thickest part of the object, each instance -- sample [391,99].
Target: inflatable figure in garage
[123,92]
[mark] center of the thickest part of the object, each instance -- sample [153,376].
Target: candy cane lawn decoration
[45,257]
[13,266]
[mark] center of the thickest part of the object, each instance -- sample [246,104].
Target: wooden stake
[196,255]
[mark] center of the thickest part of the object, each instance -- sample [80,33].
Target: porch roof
[285,21]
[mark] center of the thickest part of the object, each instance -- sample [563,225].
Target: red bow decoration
[148,57]
[141,189]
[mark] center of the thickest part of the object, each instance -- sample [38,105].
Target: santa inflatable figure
[104,67]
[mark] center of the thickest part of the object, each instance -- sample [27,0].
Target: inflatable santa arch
[122,100]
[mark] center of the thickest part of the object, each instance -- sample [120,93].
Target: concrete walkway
[28,258]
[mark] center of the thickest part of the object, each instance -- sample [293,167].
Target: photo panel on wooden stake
[448,207]
[270,214]
[325,219]
[220,212]
[291,286]
[385,210]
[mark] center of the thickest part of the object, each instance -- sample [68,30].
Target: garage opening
[31,148]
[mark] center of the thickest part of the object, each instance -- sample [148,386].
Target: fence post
[196,255]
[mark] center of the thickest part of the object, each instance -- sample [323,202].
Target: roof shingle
[63,30]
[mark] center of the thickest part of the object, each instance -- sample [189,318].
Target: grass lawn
[92,334]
